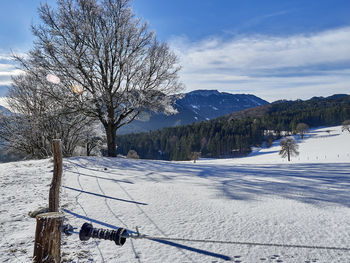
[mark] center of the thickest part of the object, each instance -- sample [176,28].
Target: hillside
[3,105]
[195,106]
[256,199]
[192,107]
[235,134]
[7,155]
[4,110]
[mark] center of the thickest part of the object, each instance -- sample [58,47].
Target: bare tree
[301,129]
[345,126]
[38,119]
[289,148]
[93,140]
[195,156]
[117,64]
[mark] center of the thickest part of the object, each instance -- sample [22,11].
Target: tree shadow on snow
[104,196]
[318,184]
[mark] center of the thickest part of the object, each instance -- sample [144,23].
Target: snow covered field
[260,198]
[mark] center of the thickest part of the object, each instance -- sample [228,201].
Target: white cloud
[298,66]
[7,69]
[11,72]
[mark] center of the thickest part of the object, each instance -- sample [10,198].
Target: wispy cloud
[297,66]
[7,69]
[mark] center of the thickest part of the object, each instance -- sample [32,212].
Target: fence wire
[137,235]
[239,243]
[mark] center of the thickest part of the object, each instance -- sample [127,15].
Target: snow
[195,106]
[256,102]
[317,147]
[3,102]
[260,198]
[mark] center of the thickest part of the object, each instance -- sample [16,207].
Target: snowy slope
[318,146]
[259,199]
[3,102]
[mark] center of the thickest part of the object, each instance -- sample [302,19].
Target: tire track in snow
[142,211]
[119,219]
[77,201]
[149,218]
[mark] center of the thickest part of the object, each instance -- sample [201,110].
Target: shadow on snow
[104,196]
[318,184]
[165,242]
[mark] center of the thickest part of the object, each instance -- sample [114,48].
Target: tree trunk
[288,151]
[111,140]
[87,149]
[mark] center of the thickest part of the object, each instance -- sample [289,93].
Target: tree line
[230,136]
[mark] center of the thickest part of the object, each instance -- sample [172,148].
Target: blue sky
[274,49]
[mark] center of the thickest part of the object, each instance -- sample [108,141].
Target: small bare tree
[195,156]
[345,126]
[289,148]
[301,129]
[101,49]
[38,119]
[93,143]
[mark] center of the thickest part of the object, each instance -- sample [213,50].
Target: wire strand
[237,242]
[229,242]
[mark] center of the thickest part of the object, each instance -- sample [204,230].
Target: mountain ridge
[192,107]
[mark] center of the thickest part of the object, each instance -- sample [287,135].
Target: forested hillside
[235,134]
[195,106]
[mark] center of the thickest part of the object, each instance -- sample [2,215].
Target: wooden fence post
[47,246]
[54,194]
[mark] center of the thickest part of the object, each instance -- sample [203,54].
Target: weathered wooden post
[54,195]
[47,246]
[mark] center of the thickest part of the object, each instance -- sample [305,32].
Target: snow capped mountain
[4,110]
[195,106]
[209,104]
[3,102]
